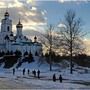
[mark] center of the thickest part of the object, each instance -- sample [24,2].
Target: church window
[8,28]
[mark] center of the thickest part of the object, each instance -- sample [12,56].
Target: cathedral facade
[11,42]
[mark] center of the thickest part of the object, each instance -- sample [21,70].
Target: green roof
[16,44]
[28,43]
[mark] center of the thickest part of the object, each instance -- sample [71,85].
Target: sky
[35,14]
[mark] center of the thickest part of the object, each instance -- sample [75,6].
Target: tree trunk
[71,71]
[71,62]
[50,59]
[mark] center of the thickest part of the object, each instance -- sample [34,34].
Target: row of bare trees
[67,39]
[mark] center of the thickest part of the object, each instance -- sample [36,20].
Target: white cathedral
[11,42]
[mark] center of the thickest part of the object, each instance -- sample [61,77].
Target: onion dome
[11,34]
[6,37]
[19,25]
[35,38]
[6,13]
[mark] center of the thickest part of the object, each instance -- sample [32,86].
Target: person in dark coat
[54,77]
[13,71]
[28,71]
[38,73]
[34,73]
[24,71]
[60,78]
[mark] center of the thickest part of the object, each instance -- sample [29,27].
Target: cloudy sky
[35,14]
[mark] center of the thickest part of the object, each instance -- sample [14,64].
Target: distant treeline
[80,59]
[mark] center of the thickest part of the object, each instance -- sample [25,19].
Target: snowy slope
[76,81]
[36,65]
[20,81]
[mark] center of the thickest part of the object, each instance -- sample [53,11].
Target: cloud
[31,17]
[15,3]
[61,25]
[87,44]
[30,2]
[61,1]
[33,8]
[10,3]
[2,4]
[77,1]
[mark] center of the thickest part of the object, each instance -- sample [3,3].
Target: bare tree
[72,42]
[49,42]
[49,38]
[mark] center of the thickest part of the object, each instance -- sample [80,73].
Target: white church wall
[18,45]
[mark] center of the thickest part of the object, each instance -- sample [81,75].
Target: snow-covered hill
[19,81]
[78,80]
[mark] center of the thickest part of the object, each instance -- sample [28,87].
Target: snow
[34,83]
[73,81]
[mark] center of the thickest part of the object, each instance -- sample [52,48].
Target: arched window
[8,28]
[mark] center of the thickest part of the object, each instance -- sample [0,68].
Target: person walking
[38,73]
[60,78]
[28,71]
[24,71]
[13,71]
[54,77]
[34,73]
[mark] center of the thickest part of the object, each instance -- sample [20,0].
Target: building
[11,42]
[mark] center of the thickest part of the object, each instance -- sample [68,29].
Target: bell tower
[6,23]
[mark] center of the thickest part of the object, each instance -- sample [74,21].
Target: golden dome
[35,37]
[6,14]
[19,25]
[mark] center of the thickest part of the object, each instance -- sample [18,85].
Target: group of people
[38,74]
[28,72]
[34,73]
[60,78]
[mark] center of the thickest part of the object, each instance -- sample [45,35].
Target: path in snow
[10,84]
[18,84]
[28,82]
